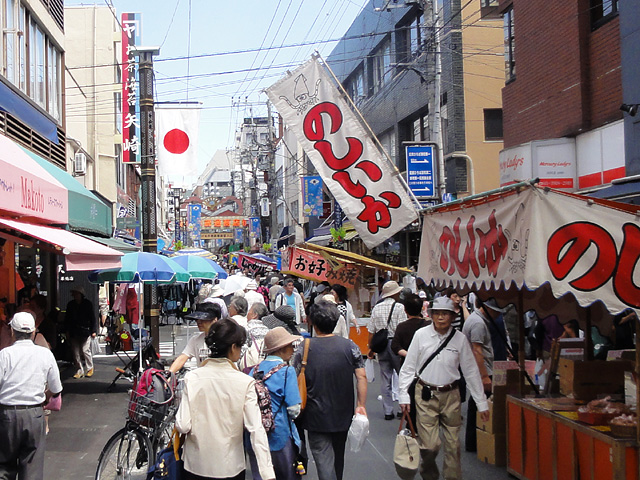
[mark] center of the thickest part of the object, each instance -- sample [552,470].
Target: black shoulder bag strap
[390,314]
[438,350]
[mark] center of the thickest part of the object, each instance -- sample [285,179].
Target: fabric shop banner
[318,268]
[345,155]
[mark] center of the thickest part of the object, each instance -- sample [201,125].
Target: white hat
[493,305]
[442,303]
[23,322]
[422,294]
[216,291]
[329,298]
[252,285]
[390,288]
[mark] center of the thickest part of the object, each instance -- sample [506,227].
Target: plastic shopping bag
[358,432]
[95,346]
[369,370]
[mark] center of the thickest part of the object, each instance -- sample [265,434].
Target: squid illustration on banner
[356,171]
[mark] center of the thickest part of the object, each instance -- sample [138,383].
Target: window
[381,66]
[409,38]
[295,215]
[509,46]
[492,124]
[355,85]
[489,9]
[388,142]
[54,83]
[602,11]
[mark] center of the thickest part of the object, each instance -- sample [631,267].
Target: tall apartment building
[387,62]
[94,112]
[562,93]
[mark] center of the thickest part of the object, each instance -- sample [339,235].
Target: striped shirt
[380,316]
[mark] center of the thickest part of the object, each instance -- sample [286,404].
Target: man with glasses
[437,398]
[206,315]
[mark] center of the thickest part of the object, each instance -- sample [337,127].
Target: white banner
[177,133]
[536,239]
[358,174]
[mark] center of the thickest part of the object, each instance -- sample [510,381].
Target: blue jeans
[328,452]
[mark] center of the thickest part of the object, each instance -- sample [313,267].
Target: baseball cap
[23,322]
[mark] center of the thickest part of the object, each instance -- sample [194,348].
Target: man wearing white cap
[436,355]
[251,296]
[27,372]
[387,314]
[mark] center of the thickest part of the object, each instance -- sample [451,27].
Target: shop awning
[114,243]
[322,240]
[627,192]
[80,253]
[86,211]
[27,189]
[354,257]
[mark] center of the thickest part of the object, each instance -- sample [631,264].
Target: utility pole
[148,170]
[437,120]
[271,178]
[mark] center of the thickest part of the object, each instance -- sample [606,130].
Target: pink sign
[27,189]
[313,266]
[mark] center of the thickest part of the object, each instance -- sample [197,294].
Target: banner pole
[418,206]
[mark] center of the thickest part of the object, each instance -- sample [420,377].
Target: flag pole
[418,206]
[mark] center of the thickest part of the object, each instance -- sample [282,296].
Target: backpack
[150,397]
[264,397]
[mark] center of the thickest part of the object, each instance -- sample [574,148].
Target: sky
[235,50]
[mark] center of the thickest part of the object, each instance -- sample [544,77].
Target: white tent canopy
[546,244]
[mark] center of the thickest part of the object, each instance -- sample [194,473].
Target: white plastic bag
[358,432]
[95,346]
[369,370]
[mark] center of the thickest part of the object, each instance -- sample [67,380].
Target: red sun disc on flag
[176,141]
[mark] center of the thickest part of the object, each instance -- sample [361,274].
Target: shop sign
[316,267]
[421,169]
[131,38]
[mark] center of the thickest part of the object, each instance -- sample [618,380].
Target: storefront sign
[131,38]
[27,189]
[194,226]
[216,236]
[552,161]
[421,169]
[254,227]
[313,266]
[312,196]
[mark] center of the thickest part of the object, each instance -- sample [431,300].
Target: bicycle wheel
[126,456]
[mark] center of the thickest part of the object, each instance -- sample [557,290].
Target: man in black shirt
[82,325]
[332,362]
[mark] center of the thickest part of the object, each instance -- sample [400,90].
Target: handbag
[302,380]
[380,339]
[169,464]
[54,404]
[406,451]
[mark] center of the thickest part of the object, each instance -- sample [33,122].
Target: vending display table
[545,441]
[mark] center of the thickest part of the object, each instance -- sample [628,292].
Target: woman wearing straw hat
[282,383]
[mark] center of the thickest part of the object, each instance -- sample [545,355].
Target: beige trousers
[441,413]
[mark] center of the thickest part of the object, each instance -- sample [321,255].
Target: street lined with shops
[90,415]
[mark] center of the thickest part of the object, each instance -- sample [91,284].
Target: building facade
[562,94]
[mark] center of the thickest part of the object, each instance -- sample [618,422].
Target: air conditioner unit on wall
[79,164]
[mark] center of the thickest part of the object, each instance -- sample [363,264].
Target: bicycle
[130,451]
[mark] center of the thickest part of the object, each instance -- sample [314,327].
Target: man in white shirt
[206,315]
[292,298]
[437,396]
[387,314]
[251,296]
[27,372]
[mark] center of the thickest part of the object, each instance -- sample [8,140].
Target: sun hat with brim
[285,313]
[216,291]
[329,298]
[252,285]
[274,280]
[442,303]
[23,322]
[390,288]
[79,289]
[200,315]
[278,338]
[493,305]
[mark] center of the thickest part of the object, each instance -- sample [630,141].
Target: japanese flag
[177,135]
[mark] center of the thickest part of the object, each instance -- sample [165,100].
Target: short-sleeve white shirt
[26,371]
[197,348]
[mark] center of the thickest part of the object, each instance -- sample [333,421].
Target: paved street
[90,415]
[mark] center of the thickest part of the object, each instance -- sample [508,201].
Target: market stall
[551,252]
[359,274]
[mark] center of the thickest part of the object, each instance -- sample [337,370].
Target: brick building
[561,101]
